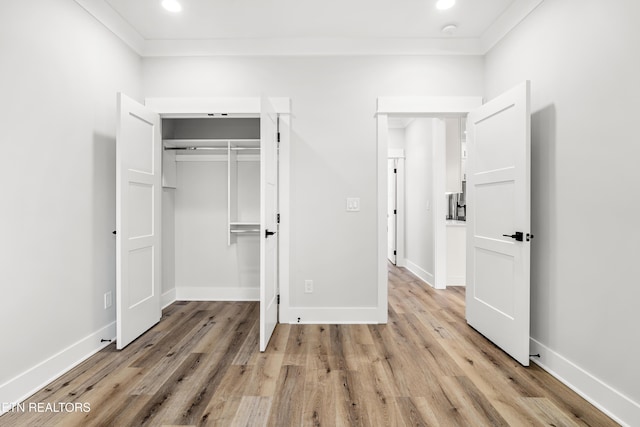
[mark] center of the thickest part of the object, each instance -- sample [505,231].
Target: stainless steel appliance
[457,204]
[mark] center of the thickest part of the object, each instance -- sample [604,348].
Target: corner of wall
[27,383]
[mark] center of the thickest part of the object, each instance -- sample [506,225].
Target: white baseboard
[331,315]
[195,293]
[610,401]
[27,383]
[423,275]
[168,298]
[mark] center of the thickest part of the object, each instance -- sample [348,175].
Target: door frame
[414,106]
[175,107]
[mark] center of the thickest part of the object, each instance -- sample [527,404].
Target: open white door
[392,211]
[138,207]
[498,221]
[268,222]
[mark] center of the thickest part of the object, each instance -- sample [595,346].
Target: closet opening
[198,207]
[211,226]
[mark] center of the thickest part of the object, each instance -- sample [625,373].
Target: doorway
[392,108]
[419,237]
[498,297]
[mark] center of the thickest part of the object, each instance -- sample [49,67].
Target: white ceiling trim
[104,13]
[510,19]
[313,46]
[111,19]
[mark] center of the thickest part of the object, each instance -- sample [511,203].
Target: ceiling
[266,27]
[399,122]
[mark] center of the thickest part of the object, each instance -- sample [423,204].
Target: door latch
[519,236]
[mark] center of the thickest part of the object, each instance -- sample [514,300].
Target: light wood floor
[201,366]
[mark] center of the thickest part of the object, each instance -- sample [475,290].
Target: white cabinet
[456,253]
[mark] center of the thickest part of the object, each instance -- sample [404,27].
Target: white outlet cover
[353,204]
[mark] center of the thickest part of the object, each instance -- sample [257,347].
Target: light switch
[353,204]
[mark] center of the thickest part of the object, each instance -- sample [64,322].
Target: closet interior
[211,207]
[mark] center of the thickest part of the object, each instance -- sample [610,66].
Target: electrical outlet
[308,286]
[108,300]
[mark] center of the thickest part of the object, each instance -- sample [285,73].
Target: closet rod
[245,231]
[213,148]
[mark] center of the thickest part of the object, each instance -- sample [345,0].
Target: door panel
[498,203]
[138,192]
[268,222]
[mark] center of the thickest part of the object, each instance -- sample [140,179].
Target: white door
[498,221]
[138,207]
[268,222]
[392,210]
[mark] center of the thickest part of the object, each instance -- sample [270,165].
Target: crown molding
[506,22]
[312,47]
[111,19]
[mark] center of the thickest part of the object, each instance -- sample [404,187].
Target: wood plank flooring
[200,366]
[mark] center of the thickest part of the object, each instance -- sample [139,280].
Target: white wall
[61,70]
[453,154]
[333,148]
[582,59]
[419,176]
[396,138]
[168,246]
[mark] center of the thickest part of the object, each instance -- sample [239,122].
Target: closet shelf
[245,223]
[215,144]
[215,148]
[248,230]
[206,140]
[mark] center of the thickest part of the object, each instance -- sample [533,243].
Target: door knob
[268,233]
[519,236]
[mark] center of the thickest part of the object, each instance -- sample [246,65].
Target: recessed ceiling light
[445,4]
[172,5]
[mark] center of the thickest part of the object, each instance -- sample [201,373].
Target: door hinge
[278,218]
[395,253]
[278,136]
[395,212]
[395,171]
[278,299]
